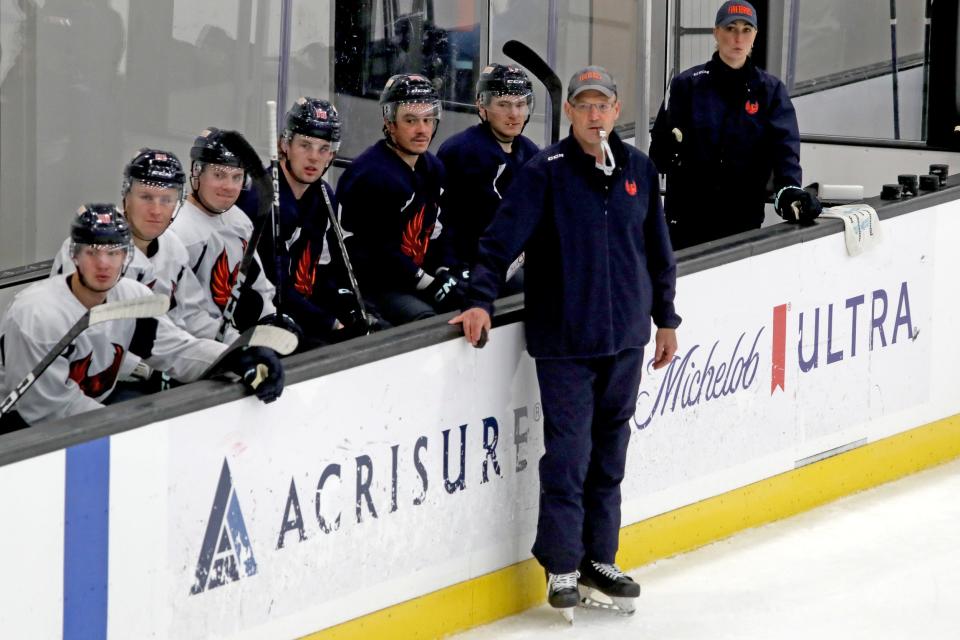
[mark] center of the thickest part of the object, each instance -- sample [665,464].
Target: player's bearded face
[307,157]
[150,208]
[99,266]
[220,185]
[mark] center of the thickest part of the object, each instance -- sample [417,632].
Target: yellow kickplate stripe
[521,586]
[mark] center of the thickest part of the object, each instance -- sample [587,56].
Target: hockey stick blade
[527,57]
[144,307]
[250,161]
[261,335]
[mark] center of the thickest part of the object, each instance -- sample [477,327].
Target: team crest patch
[752,107]
[631,187]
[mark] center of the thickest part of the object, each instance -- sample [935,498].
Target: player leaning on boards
[317,291]
[85,374]
[390,200]
[216,233]
[599,265]
[482,161]
[152,192]
[724,128]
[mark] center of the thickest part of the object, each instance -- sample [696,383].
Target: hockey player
[152,192]
[215,233]
[723,131]
[317,292]
[481,162]
[390,201]
[599,265]
[86,372]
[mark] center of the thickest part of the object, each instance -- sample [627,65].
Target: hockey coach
[599,266]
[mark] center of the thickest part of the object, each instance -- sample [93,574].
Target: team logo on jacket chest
[751,107]
[631,187]
[222,278]
[305,275]
[416,239]
[97,384]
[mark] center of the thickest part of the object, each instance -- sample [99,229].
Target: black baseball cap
[591,78]
[734,10]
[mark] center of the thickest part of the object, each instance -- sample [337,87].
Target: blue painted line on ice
[86,540]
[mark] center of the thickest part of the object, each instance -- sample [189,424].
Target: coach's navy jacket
[479,172]
[598,257]
[739,130]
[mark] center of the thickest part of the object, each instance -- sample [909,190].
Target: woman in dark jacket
[725,128]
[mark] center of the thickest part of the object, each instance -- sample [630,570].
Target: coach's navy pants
[587,404]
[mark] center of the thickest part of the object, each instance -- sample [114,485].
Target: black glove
[261,371]
[284,321]
[794,204]
[444,293]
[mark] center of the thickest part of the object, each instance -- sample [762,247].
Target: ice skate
[562,593]
[618,591]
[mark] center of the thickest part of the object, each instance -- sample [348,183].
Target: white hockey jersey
[215,246]
[165,269]
[86,372]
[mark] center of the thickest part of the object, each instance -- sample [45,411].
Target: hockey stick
[250,162]
[337,231]
[528,58]
[144,307]
[261,335]
[275,206]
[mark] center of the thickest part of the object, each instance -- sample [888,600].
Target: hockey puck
[929,183]
[941,171]
[910,183]
[891,192]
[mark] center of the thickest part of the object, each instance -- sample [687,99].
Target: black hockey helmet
[409,88]
[500,80]
[208,148]
[155,168]
[314,118]
[100,224]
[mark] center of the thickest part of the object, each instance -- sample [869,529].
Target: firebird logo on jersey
[305,274]
[752,107]
[631,187]
[99,383]
[416,239]
[222,278]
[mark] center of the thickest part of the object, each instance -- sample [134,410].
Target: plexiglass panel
[85,83]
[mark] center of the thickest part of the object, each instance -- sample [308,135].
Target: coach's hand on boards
[261,371]
[476,325]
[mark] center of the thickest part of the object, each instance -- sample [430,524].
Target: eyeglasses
[586,107]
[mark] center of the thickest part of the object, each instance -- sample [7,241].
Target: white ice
[882,564]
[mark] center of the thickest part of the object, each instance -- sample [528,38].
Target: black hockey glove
[794,204]
[261,371]
[444,292]
[284,321]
